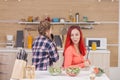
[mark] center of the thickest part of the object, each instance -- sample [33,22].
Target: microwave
[101,43]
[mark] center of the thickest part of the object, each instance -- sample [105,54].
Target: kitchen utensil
[88,52]
[22,55]
[63,30]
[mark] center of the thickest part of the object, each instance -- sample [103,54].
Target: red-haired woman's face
[75,36]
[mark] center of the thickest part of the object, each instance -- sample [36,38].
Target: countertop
[14,50]
[83,75]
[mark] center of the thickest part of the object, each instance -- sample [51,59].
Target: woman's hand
[87,63]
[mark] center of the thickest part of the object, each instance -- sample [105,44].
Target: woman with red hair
[74,50]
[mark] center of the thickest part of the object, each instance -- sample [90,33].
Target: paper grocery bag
[18,69]
[30,72]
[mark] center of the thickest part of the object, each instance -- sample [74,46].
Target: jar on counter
[30,19]
[85,18]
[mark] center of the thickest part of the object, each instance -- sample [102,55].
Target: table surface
[83,75]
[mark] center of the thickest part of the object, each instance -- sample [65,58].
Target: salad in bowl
[72,71]
[54,70]
[97,71]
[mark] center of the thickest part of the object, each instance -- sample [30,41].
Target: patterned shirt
[44,53]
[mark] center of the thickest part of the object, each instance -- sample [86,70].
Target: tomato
[96,70]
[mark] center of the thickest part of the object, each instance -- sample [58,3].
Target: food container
[55,20]
[62,20]
[85,18]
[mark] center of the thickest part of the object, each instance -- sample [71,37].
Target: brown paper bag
[18,69]
[30,72]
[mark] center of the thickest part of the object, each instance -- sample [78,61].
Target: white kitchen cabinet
[6,65]
[100,59]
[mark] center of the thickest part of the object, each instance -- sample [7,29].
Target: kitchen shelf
[69,23]
[86,25]
[62,23]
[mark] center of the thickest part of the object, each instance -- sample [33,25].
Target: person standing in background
[75,50]
[43,48]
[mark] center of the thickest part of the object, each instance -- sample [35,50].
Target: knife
[88,52]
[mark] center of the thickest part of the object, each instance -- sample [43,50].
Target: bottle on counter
[29,41]
[70,16]
[94,45]
[77,17]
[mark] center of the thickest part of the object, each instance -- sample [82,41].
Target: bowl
[72,71]
[98,71]
[55,70]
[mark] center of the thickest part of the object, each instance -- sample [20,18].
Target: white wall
[119,38]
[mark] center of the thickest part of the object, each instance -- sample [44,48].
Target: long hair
[69,42]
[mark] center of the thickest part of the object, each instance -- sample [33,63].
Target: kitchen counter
[9,55]
[83,75]
[12,50]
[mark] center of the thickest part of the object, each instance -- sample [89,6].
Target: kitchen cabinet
[100,59]
[6,65]
[7,60]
